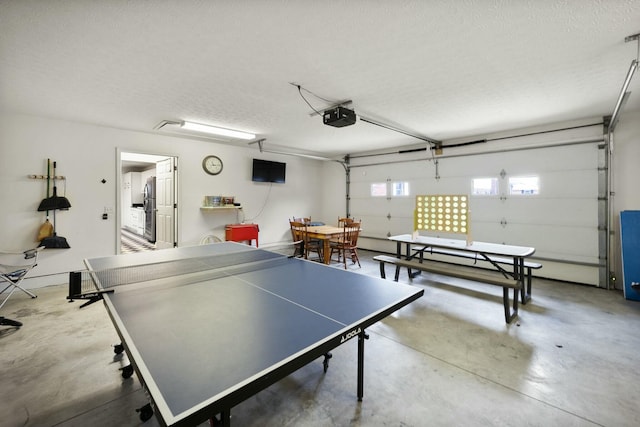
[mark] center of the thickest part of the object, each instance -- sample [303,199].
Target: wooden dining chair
[347,244]
[305,220]
[297,230]
[342,221]
[303,244]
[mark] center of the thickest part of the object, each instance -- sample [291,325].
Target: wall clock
[212,165]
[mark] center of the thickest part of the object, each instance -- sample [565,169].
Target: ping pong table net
[92,284]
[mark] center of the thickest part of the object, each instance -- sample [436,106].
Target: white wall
[86,154]
[334,189]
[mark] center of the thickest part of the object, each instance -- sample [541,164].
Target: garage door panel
[372,205]
[576,244]
[373,226]
[374,173]
[536,210]
[403,207]
[549,159]
[563,212]
[382,227]
[362,189]
[399,225]
[562,242]
[450,185]
[573,184]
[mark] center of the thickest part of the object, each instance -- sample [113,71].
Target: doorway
[147,194]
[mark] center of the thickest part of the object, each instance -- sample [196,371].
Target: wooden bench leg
[508,314]
[397,275]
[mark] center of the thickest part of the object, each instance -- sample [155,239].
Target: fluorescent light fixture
[260,143]
[197,127]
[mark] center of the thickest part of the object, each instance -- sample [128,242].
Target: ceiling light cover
[197,127]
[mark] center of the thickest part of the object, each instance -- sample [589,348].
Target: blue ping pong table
[207,327]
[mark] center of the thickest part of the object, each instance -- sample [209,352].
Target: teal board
[630,239]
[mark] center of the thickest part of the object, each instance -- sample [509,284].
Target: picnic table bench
[510,310]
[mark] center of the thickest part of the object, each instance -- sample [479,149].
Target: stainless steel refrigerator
[149,204]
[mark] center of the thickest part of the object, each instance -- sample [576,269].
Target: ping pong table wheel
[146,412]
[127,371]
[118,348]
[325,362]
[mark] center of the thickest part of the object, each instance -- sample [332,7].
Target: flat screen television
[268,171]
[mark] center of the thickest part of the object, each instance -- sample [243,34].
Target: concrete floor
[448,359]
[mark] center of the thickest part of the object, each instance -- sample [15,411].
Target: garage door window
[400,188]
[485,187]
[379,189]
[524,185]
[393,189]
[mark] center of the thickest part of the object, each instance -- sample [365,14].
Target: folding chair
[13,268]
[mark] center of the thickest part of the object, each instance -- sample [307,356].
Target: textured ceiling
[444,69]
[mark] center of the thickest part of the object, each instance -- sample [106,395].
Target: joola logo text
[350,335]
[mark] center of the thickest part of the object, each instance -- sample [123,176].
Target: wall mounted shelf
[213,208]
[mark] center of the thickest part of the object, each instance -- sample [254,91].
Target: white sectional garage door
[561,221]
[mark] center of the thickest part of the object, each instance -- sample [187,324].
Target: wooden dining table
[325,233]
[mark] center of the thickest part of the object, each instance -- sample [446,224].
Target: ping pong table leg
[225,419]
[325,362]
[361,337]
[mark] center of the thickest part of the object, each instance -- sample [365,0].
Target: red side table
[241,233]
